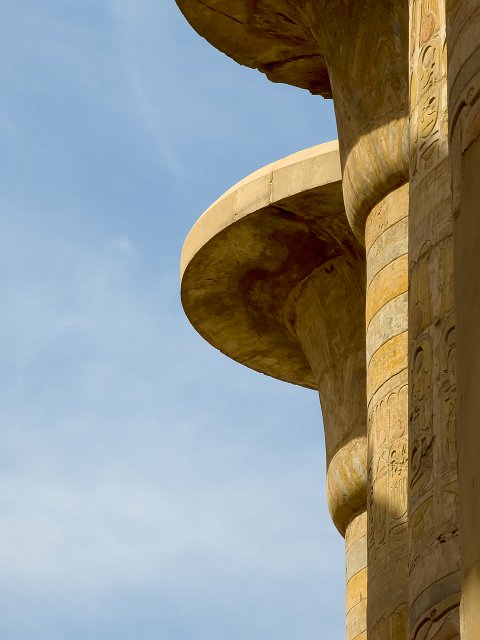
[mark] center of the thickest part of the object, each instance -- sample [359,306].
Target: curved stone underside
[261,34]
[254,246]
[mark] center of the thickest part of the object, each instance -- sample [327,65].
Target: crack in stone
[219,12]
[281,63]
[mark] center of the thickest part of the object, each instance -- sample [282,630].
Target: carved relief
[387,502]
[449,392]
[427,51]
[441,623]
[398,478]
[432,420]
[391,626]
[380,488]
[450,498]
[430,72]
[429,19]
[421,418]
[421,521]
[398,621]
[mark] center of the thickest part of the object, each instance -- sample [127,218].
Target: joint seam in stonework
[435,584]
[453,597]
[413,260]
[376,368]
[379,273]
[383,231]
[357,605]
[398,276]
[271,66]
[380,309]
[362,570]
[389,339]
[428,618]
[362,541]
[439,540]
[459,106]
[219,12]
[460,25]
[388,386]
[370,277]
[359,512]
[399,249]
[398,246]
[325,370]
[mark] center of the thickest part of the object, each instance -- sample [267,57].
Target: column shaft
[387,324]
[463,36]
[433,487]
[334,344]
[356,578]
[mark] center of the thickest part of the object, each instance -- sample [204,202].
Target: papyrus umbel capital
[273,276]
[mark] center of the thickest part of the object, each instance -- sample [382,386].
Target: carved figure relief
[387,501]
[392,626]
[380,497]
[421,520]
[430,72]
[441,623]
[450,498]
[429,19]
[428,115]
[421,419]
[449,392]
[427,93]
[371,537]
[398,478]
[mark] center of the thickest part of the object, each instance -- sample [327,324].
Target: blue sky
[150,487]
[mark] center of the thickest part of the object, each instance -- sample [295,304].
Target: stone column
[334,345]
[274,277]
[433,489]
[387,397]
[356,577]
[357,51]
[463,37]
[365,45]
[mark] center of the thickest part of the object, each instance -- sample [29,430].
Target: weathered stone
[434,556]
[463,39]
[386,244]
[273,276]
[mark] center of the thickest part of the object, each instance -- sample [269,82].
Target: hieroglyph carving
[421,418]
[433,492]
[449,394]
[428,92]
[388,475]
[441,623]
[391,626]
[464,85]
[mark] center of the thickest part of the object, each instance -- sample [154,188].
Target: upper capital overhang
[261,34]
